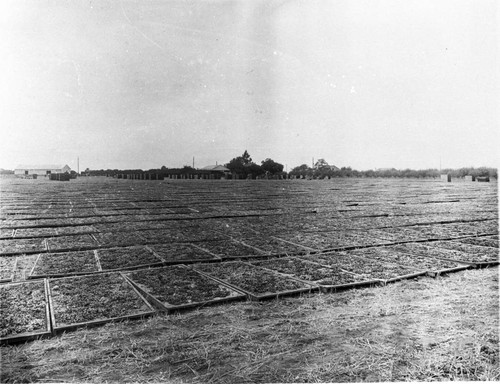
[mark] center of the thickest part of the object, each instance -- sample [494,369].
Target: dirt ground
[443,328]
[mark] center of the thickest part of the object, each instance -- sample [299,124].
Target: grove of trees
[304,171]
[243,167]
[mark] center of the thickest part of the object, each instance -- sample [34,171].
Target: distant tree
[302,170]
[347,172]
[243,166]
[483,171]
[322,169]
[271,167]
[236,166]
[246,159]
[254,170]
[321,164]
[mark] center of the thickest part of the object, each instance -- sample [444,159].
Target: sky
[141,84]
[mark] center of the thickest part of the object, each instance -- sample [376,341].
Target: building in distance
[40,170]
[219,168]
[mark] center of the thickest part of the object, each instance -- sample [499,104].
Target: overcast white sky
[141,84]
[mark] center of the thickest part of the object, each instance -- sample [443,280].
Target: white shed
[41,170]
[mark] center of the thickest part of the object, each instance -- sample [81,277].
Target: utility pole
[78,164]
[193,161]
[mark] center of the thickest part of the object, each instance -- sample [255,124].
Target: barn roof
[216,168]
[41,166]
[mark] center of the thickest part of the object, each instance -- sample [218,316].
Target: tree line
[304,171]
[243,167]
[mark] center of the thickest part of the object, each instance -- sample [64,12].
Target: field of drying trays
[94,250]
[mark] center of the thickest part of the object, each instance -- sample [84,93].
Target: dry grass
[417,330]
